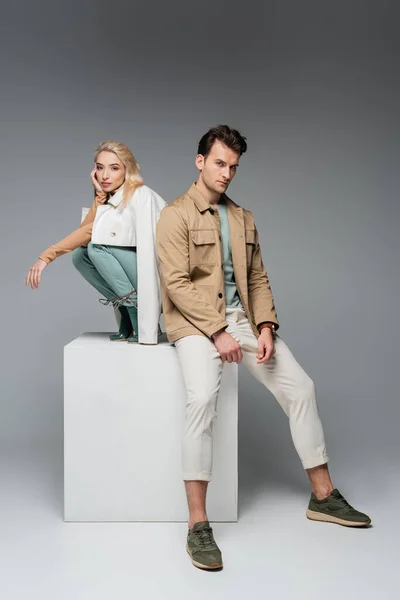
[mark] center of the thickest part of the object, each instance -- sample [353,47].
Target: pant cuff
[316,462]
[197,476]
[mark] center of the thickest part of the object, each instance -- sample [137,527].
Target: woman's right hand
[35,273]
[95,183]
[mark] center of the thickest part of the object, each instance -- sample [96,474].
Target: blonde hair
[133,178]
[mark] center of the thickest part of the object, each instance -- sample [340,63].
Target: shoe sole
[316,516]
[205,567]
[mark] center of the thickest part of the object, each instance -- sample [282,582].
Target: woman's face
[110,171]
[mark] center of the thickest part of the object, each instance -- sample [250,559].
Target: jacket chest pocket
[250,236]
[202,247]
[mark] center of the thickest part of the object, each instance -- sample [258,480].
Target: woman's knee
[91,248]
[78,257]
[96,250]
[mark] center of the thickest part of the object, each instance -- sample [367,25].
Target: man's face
[219,167]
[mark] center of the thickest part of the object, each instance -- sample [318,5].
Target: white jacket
[135,225]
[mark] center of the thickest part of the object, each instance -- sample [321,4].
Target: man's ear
[199,161]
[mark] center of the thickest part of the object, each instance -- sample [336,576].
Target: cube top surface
[101,340]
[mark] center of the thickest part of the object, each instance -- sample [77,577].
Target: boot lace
[131,298]
[104,301]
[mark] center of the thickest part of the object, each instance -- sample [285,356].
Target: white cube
[124,409]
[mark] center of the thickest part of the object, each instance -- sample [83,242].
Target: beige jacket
[79,237]
[191,264]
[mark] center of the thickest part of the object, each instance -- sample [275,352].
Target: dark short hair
[228,136]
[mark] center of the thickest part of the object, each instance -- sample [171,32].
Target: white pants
[282,375]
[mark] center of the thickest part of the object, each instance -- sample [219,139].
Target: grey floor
[273,551]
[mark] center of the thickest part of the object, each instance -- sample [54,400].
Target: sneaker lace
[205,538]
[343,502]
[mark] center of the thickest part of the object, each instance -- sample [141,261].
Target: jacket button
[113,233]
[220,295]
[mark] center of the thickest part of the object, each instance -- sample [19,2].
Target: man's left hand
[266,346]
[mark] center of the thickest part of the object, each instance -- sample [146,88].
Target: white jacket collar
[116,199]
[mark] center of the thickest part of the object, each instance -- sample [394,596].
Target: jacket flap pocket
[250,236]
[201,237]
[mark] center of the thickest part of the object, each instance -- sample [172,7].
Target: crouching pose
[114,247]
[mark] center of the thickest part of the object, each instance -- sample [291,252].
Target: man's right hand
[227,346]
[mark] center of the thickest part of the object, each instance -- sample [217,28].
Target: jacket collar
[198,198]
[116,199]
[231,204]
[202,203]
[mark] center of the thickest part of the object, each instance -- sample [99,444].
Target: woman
[114,247]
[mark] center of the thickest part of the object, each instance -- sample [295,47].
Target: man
[218,307]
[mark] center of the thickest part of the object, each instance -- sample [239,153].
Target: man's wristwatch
[270,326]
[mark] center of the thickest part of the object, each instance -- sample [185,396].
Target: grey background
[314,86]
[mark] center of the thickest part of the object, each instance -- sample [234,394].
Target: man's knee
[306,390]
[202,402]
[308,386]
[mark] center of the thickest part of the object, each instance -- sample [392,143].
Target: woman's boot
[125,327]
[133,316]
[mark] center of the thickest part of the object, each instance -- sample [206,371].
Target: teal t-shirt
[231,293]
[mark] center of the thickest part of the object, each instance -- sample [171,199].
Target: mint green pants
[112,270]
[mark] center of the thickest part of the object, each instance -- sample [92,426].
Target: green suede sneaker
[336,509]
[202,548]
